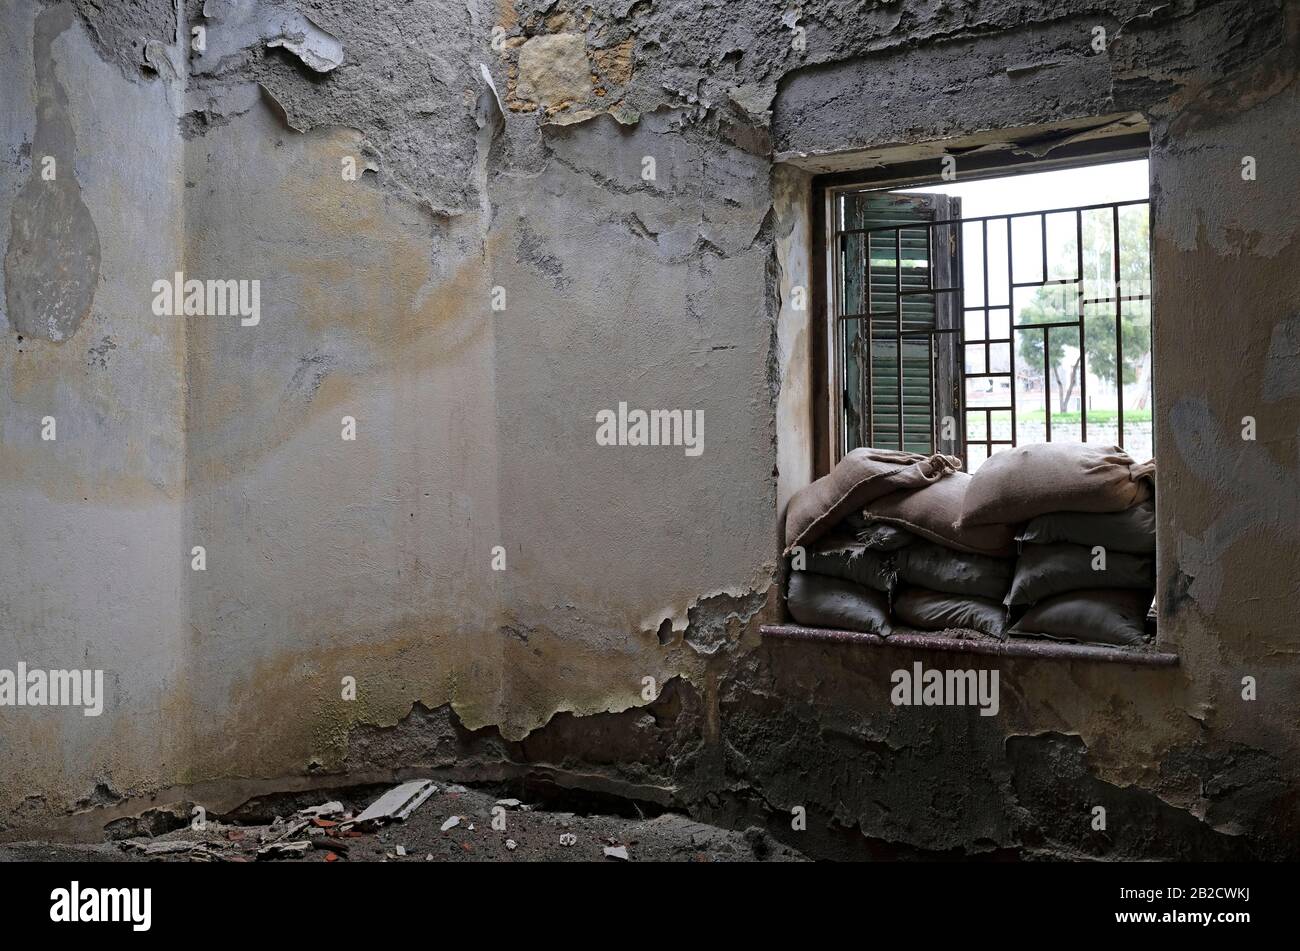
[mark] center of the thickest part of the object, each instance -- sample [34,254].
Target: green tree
[1060,302]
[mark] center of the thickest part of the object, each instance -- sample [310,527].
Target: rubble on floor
[421,821]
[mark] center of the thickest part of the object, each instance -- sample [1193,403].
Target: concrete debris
[167,847]
[159,848]
[285,850]
[396,804]
[223,849]
[533,836]
[325,809]
[281,830]
[509,803]
[194,851]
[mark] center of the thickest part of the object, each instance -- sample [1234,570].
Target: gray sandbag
[1027,481]
[861,476]
[1100,616]
[822,601]
[932,512]
[938,611]
[878,536]
[1133,530]
[1043,571]
[852,561]
[956,572]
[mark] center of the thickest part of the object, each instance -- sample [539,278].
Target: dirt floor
[552,827]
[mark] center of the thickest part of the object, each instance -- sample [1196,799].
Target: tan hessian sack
[860,477]
[1027,481]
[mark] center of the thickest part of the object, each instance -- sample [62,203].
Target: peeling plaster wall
[500,163]
[92,559]
[330,558]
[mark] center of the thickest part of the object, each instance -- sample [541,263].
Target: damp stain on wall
[52,263]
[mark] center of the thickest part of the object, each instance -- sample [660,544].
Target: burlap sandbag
[1096,615]
[1027,481]
[937,568]
[821,601]
[939,611]
[1043,571]
[852,561]
[1132,530]
[876,535]
[933,513]
[860,477]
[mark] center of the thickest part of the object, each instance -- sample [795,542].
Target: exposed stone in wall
[553,70]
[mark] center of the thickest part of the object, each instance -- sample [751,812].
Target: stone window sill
[1011,647]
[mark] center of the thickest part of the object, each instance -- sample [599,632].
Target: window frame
[827,423]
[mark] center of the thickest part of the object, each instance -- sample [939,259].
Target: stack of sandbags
[837,581]
[950,576]
[1086,569]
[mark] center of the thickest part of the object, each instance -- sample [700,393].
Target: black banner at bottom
[324,902]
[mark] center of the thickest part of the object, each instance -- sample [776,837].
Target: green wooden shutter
[868,264]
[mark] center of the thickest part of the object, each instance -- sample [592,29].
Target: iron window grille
[910,364]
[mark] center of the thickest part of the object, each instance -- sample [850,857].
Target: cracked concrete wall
[489,159]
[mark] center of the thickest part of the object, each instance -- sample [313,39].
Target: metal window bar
[841,262]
